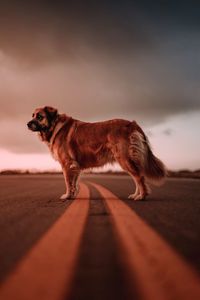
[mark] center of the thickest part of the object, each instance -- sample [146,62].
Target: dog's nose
[29,124]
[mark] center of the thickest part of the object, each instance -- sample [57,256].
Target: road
[31,210]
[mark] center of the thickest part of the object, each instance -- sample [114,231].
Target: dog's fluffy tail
[152,167]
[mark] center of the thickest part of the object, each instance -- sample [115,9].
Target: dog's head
[43,119]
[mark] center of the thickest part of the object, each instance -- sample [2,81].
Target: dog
[79,145]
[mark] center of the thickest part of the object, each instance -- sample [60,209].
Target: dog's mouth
[33,126]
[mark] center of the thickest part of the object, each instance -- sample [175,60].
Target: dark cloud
[36,33]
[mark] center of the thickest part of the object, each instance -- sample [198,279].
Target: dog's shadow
[57,202]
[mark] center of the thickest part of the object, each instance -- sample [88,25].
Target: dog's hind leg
[135,171]
[143,189]
[136,156]
[137,190]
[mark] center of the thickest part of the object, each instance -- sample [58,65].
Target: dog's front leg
[71,172]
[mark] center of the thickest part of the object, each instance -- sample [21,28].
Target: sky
[97,60]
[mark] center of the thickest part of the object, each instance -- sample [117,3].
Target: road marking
[46,272]
[159,272]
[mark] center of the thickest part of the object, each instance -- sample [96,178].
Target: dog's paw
[65,197]
[132,196]
[136,197]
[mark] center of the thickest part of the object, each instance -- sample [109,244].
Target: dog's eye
[40,117]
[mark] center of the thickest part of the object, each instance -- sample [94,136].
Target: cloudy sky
[97,60]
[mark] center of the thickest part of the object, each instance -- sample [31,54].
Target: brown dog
[80,145]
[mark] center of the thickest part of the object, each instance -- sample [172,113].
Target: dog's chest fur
[53,151]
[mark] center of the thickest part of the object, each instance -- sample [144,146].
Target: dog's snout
[32,125]
[29,124]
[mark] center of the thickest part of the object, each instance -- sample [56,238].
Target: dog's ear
[51,112]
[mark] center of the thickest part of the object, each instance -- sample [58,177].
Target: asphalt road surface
[30,207]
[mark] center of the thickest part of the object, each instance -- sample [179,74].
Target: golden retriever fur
[81,145]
